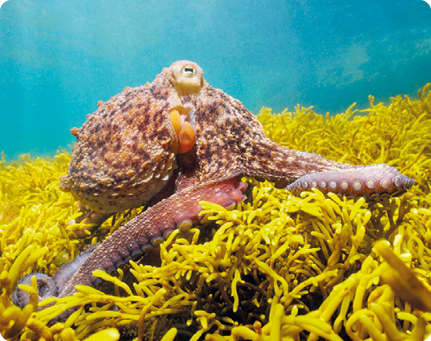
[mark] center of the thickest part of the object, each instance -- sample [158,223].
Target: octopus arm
[282,165]
[148,230]
[301,171]
[365,181]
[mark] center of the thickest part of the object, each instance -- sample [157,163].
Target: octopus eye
[188,71]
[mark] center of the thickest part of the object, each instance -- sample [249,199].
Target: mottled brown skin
[126,152]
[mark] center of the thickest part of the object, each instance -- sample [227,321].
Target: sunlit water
[59,57]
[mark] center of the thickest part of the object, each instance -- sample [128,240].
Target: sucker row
[363,181]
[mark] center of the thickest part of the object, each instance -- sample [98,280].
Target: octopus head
[126,151]
[186,77]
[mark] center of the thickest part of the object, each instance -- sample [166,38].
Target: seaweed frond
[278,267]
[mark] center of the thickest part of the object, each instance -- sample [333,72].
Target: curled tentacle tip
[177,121]
[185,131]
[243,186]
[46,287]
[186,138]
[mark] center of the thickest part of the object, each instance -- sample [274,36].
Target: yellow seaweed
[277,267]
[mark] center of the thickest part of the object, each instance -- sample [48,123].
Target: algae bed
[277,267]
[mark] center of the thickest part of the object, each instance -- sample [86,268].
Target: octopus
[174,143]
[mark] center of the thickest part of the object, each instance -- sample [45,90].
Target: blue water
[59,57]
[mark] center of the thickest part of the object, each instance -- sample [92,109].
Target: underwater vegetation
[277,267]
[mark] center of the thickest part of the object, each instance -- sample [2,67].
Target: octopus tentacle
[185,132]
[365,181]
[177,120]
[287,165]
[51,286]
[46,287]
[181,211]
[66,271]
[186,138]
[231,141]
